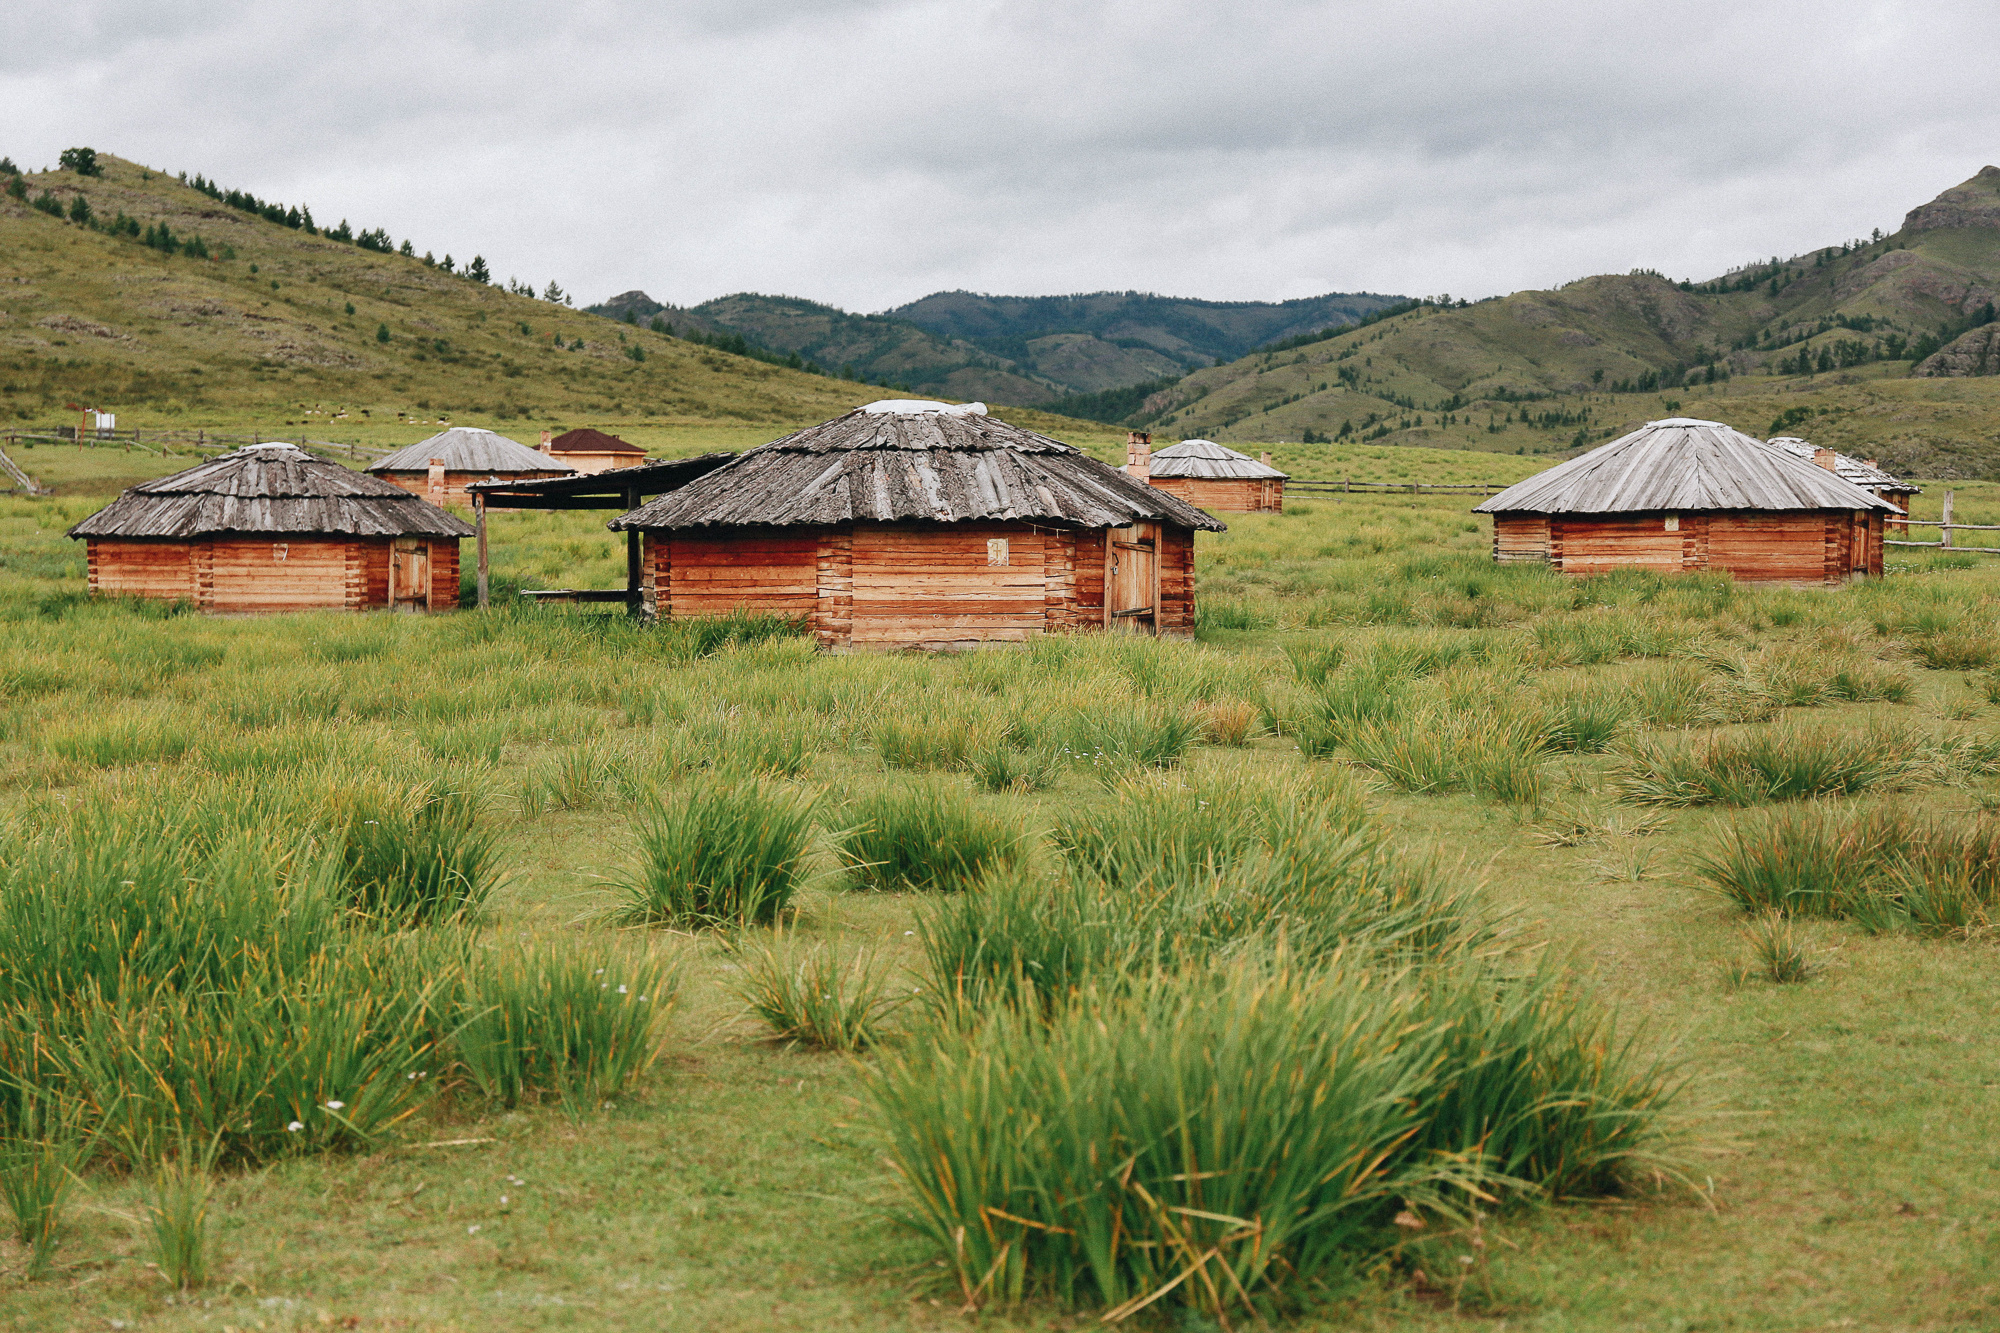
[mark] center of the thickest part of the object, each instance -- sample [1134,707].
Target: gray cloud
[868,151]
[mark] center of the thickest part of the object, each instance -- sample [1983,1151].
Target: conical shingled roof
[1210,461]
[469,449]
[923,462]
[269,488]
[1681,465]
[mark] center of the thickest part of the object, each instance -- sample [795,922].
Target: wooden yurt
[1210,476]
[591,451]
[439,468]
[1861,471]
[909,524]
[1684,494]
[271,528]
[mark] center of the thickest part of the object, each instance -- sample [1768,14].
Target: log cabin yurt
[910,524]
[1684,494]
[439,468]
[1213,477]
[591,451]
[1861,471]
[271,528]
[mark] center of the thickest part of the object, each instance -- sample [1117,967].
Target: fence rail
[1347,485]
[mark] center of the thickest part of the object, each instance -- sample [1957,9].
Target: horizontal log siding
[444,575]
[833,614]
[245,574]
[1600,545]
[1089,565]
[1520,537]
[1779,548]
[934,586]
[1240,496]
[162,570]
[1795,547]
[1176,610]
[766,571]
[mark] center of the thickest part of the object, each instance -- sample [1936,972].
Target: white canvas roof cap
[913,406]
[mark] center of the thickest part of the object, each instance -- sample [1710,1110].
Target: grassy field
[1391,788]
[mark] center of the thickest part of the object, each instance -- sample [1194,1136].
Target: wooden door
[1132,578]
[410,574]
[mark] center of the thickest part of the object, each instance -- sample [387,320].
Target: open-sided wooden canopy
[623,489]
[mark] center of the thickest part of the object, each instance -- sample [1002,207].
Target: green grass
[737,1158]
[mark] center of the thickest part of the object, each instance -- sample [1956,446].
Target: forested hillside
[1847,337]
[164,300]
[1078,352]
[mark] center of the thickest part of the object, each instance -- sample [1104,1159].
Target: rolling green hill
[171,306]
[1830,337]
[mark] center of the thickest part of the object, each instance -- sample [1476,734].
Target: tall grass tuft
[556,1019]
[177,1225]
[1782,765]
[1497,755]
[1223,1138]
[806,994]
[1884,868]
[1779,953]
[415,857]
[38,1172]
[923,837]
[718,853]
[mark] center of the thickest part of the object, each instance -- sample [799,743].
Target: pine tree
[18,188]
[7,167]
[381,332]
[476,270]
[447,265]
[408,251]
[660,325]
[79,209]
[554,294]
[83,161]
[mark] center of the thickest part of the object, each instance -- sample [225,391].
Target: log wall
[905,585]
[161,570]
[1794,547]
[1520,537]
[244,575]
[956,586]
[1234,496]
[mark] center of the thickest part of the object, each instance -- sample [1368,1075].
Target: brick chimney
[1265,458]
[436,479]
[1824,457]
[1139,454]
[545,442]
[1869,462]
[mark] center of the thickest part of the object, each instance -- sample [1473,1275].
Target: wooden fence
[164,442]
[1945,528]
[1347,486]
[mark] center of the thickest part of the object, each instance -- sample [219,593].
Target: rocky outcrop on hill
[1976,203]
[1974,353]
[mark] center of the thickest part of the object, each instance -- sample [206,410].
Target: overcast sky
[865,152]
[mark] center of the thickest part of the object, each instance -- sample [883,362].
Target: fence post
[1944,526]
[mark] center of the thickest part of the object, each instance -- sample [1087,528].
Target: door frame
[1144,537]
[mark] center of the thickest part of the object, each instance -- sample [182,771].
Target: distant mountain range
[1043,350]
[1920,301]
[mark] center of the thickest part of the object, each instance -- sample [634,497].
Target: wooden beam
[635,599]
[479,517]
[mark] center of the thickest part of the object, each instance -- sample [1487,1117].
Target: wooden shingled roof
[1681,465]
[1209,461]
[469,449]
[922,462]
[1859,471]
[269,488]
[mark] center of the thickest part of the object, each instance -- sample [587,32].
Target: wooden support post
[1944,525]
[635,595]
[479,522]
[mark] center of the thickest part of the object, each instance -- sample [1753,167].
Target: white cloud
[868,151]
